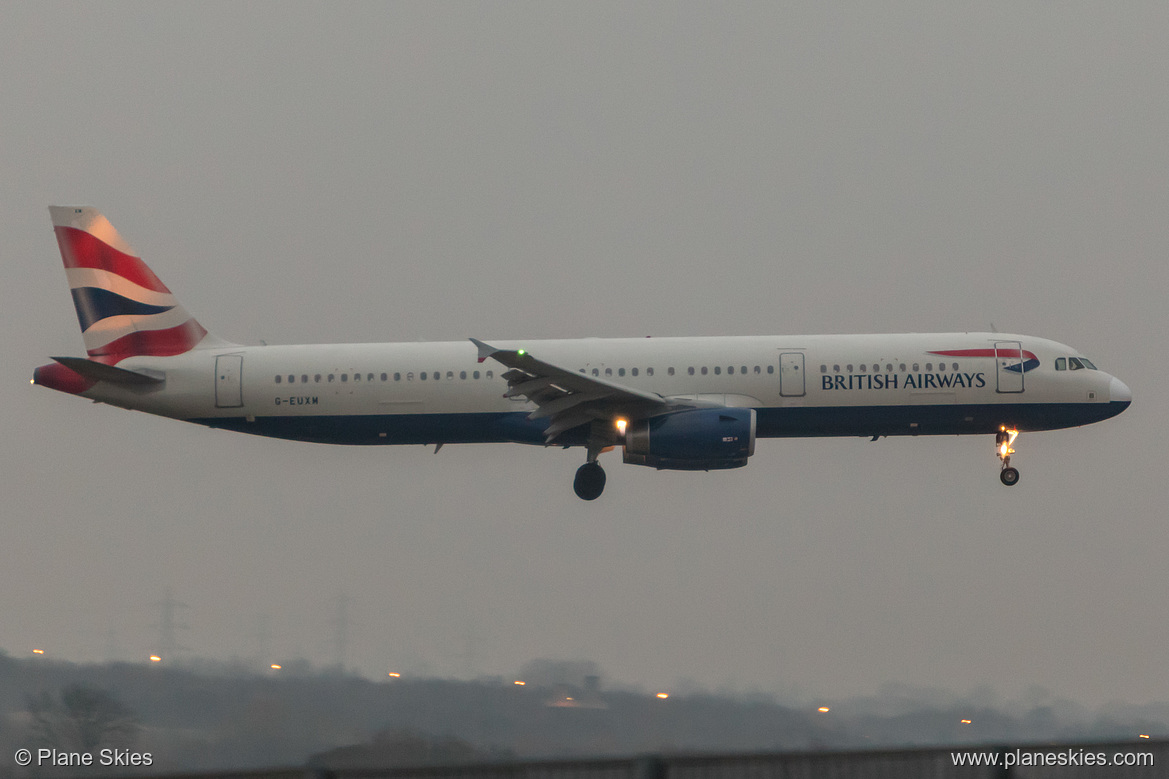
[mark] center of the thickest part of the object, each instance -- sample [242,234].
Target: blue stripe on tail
[94,304]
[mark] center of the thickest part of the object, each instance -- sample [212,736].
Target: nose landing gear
[1003,440]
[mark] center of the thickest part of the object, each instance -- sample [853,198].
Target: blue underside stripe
[515,427]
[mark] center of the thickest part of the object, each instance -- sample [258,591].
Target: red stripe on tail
[79,249]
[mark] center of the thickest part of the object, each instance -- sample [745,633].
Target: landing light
[518,683]
[1005,448]
[965,722]
[621,425]
[275,667]
[663,695]
[395,675]
[38,651]
[155,659]
[823,709]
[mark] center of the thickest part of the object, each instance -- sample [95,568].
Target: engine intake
[697,440]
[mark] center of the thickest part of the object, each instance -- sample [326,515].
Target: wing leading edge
[570,399]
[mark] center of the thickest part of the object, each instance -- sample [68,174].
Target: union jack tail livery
[124,309]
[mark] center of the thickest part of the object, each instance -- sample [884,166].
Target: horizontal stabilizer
[97,371]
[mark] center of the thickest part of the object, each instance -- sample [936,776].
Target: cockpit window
[1061,363]
[1074,364]
[1088,363]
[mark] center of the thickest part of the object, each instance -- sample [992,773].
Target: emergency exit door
[791,374]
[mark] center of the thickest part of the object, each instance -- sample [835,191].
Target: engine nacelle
[697,440]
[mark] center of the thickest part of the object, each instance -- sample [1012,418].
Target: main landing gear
[590,477]
[1003,440]
[590,481]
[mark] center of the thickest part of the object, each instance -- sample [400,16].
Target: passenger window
[490,375]
[649,371]
[410,376]
[450,375]
[475,374]
[690,370]
[822,367]
[704,370]
[385,377]
[743,369]
[356,377]
[633,371]
[291,379]
[304,378]
[771,369]
[836,369]
[717,370]
[929,366]
[596,372]
[397,377]
[317,378]
[889,368]
[279,379]
[850,368]
[876,368]
[331,377]
[620,371]
[608,371]
[863,367]
[901,367]
[422,375]
[670,371]
[462,374]
[730,370]
[370,377]
[916,368]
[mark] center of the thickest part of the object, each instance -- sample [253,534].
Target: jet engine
[695,440]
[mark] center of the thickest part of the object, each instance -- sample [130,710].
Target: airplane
[669,403]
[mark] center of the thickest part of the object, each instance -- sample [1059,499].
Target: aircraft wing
[570,398]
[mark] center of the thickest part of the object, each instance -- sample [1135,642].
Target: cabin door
[1008,361]
[228,386]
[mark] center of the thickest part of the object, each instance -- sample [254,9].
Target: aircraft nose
[1118,391]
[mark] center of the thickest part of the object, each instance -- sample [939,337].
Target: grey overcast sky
[431,171]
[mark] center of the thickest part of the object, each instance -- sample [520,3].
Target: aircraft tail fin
[124,309]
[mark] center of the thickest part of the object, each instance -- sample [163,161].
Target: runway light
[38,651]
[1144,736]
[394,674]
[663,695]
[518,683]
[823,709]
[155,659]
[275,667]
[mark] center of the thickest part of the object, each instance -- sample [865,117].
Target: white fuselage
[800,385]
